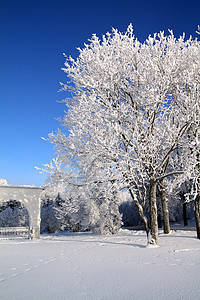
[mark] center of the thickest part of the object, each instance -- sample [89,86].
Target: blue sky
[33,36]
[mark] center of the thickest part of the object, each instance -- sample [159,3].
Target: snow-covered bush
[102,216]
[88,207]
[13,214]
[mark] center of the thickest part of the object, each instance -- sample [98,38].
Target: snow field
[87,266]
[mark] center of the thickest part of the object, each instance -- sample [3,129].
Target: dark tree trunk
[185,214]
[140,211]
[153,213]
[165,210]
[159,214]
[197,215]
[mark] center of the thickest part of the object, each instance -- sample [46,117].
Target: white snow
[88,266]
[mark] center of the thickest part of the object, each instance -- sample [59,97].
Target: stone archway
[30,197]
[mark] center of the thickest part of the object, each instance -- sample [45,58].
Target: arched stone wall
[30,197]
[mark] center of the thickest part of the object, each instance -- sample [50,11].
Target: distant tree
[85,207]
[3,181]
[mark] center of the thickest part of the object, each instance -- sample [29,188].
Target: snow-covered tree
[3,181]
[129,116]
[84,206]
[194,194]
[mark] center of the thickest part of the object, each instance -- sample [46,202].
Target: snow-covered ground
[87,266]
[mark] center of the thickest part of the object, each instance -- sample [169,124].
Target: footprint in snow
[16,274]
[27,270]
[36,266]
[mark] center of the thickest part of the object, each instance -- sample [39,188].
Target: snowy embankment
[86,266]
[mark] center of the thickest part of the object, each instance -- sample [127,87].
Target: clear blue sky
[33,36]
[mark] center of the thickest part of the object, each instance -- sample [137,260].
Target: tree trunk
[159,214]
[153,213]
[140,211]
[165,210]
[197,214]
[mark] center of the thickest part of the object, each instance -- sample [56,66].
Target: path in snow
[86,266]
